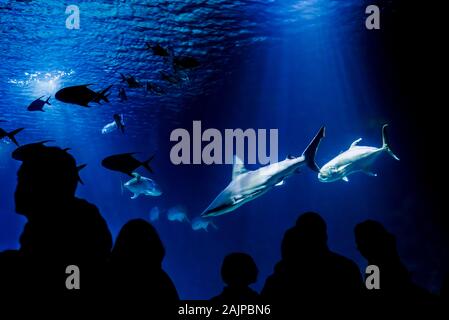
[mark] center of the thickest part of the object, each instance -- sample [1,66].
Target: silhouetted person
[309,273]
[61,230]
[136,267]
[378,247]
[238,271]
[444,293]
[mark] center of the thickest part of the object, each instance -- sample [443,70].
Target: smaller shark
[177,214]
[142,185]
[248,185]
[38,104]
[202,223]
[356,158]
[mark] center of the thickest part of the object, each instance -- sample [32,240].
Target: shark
[200,223]
[248,185]
[142,185]
[355,159]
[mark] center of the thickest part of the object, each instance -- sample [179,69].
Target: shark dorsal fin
[137,176]
[238,167]
[355,143]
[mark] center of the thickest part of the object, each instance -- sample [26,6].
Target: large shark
[356,158]
[248,185]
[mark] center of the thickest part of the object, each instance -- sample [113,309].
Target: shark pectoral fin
[342,169]
[134,196]
[345,179]
[281,183]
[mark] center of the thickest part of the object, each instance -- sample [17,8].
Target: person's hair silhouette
[138,241]
[48,176]
[238,271]
[378,247]
[61,230]
[136,266]
[309,273]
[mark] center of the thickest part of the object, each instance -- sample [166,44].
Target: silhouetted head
[47,177]
[239,270]
[312,228]
[138,241]
[374,242]
[308,237]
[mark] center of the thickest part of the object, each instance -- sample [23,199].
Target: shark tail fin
[146,164]
[48,101]
[310,152]
[11,135]
[386,143]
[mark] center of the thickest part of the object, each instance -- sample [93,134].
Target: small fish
[11,135]
[142,185]
[202,223]
[154,88]
[118,119]
[158,50]
[118,123]
[185,62]
[126,163]
[108,128]
[177,214]
[154,214]
[131,81]
[38,104]
[122,95]
[81,95]
[173,79]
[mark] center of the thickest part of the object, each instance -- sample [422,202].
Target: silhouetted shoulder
[95,225]
[345,263]
[244,295]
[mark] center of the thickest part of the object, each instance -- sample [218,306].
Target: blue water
[289,65]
